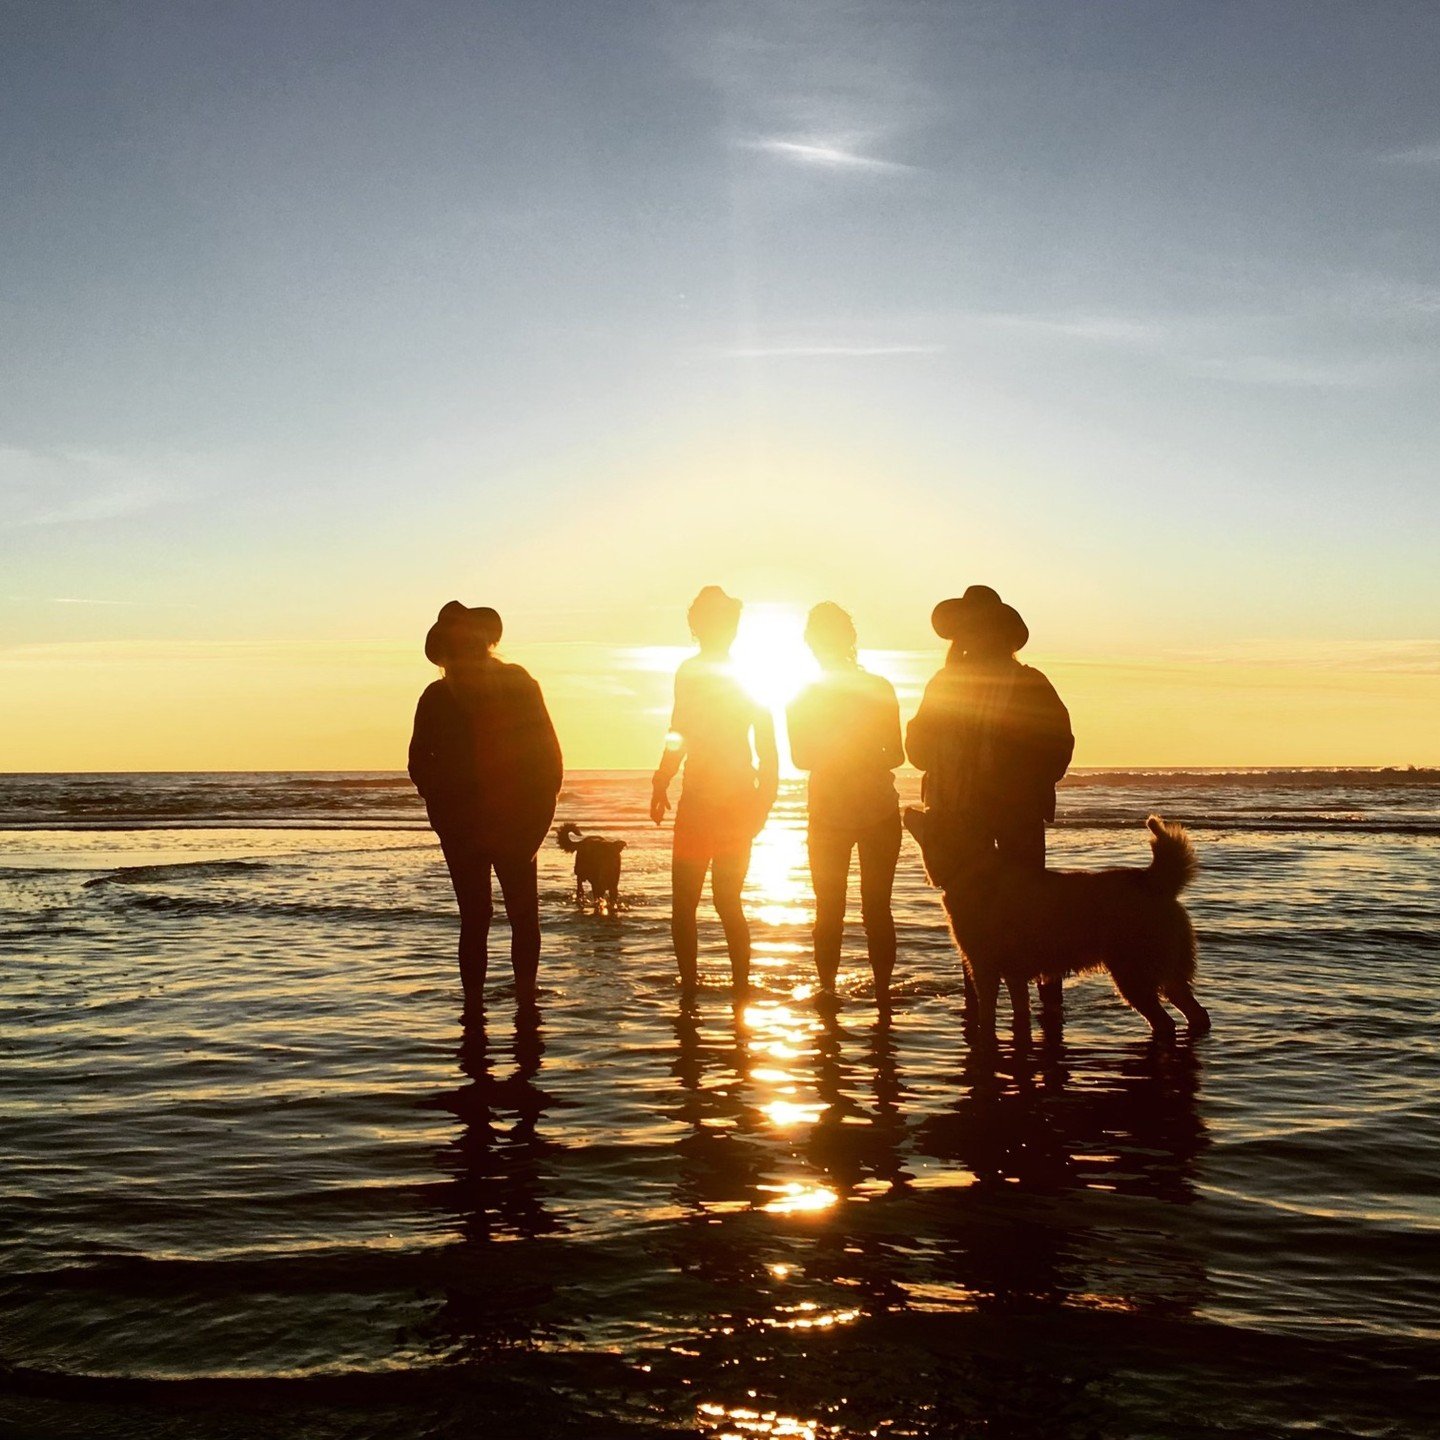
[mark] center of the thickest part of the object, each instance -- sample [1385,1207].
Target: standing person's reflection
[485,758]
[845,730]
[499,1294]
[726,742]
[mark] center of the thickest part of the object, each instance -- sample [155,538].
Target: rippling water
[256,1182]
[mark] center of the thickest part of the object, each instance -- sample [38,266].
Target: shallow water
[253,1170]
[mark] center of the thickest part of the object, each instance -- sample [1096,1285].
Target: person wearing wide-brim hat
[993,739]
[486,761]
[725,740]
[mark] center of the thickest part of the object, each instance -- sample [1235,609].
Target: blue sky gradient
[313,315]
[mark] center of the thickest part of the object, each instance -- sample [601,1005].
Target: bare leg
[829,874]
[519,884]
[470,875]
[879,852]
[727,879]
[687,880]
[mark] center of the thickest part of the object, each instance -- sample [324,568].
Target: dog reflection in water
[597,864]
[1016,925]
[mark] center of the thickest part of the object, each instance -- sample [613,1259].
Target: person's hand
[659,803]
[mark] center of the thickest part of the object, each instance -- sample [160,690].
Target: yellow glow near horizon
[187,705]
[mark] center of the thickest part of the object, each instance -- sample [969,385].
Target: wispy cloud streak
[827,352]
[826,156]
[1414,155]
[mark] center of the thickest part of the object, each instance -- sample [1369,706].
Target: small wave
[1261,824]
[300,910]
[375,782]
[1384,779]
[214,822]
[143,874]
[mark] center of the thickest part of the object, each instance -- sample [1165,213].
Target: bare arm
[892,750]
[769,761]
[670,760]
[800,729]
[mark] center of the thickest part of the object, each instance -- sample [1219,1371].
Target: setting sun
[770,654]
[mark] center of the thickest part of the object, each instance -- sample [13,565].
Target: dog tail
[1172,861]
[565,837]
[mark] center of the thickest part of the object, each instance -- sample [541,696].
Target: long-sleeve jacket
[993,739]
[484,756]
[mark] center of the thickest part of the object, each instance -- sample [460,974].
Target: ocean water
[255,1181]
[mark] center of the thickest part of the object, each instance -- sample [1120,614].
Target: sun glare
[770,654]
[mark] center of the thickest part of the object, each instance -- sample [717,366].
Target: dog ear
[619,844]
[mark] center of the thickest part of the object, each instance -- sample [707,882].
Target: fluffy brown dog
[1017,926]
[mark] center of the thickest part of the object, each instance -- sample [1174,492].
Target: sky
[314,316]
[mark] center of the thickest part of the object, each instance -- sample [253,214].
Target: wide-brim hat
[980,615]
[461,627]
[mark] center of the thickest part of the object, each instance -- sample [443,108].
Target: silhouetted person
[726,742]
[993,738]
[845,730]
[486,761]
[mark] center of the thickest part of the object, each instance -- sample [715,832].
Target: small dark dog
[1016,925]
[597,864]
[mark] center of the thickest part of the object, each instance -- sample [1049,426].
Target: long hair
[829,630]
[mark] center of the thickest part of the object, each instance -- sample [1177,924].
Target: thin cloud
[1383,657]
[62,487]
[827,157]
[1414,155]
[1297,350]
[1297,372]
[827,352]
[83,600]
[1106,329]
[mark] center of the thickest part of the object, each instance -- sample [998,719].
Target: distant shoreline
[1080,776]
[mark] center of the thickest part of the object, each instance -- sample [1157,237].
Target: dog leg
[987,991]
[1197,1017]
[580,892]
[1020,1010]
[971,1003]
[1052,1002]
[1147,1002]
